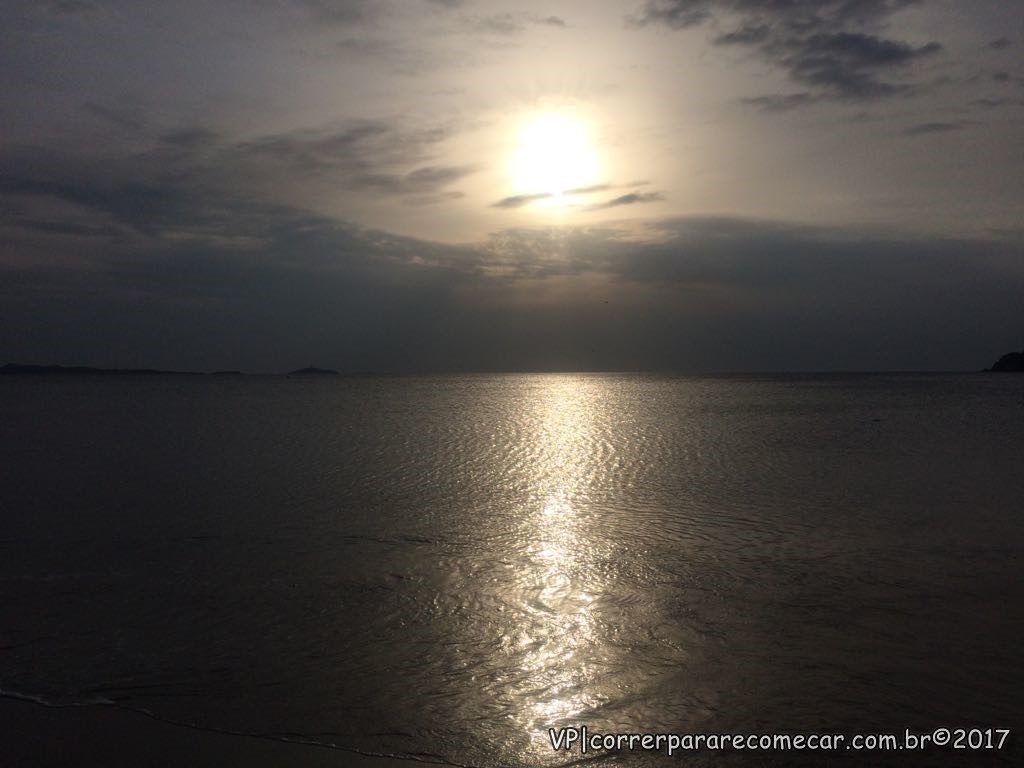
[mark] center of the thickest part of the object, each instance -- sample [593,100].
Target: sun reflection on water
[558,641]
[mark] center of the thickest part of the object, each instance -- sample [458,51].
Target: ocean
[453,568]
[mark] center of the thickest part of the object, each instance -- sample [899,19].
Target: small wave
[54,703]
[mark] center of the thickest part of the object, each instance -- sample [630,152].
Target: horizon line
[57,369]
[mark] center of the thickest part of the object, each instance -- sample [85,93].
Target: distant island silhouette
[15,368]
[85,370]
[1009,363]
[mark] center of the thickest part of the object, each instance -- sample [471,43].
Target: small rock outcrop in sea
[311,371]
[1014,361]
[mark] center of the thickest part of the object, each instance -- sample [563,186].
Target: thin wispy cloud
[629,199]
[338,11]
[513,23]
[518,201]
[782,102]
[924,129]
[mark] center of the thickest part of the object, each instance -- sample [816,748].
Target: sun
[554,156]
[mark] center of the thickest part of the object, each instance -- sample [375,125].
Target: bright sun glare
[554,156]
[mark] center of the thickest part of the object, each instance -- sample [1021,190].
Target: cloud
[707,293]
[191,139]
[846,64]
[58,227]
[589,190]
[422,181]
[747,35]
[780,102]
[372,157]
[136,205]
[513,23]
[831,46]
[195,182]
[675,14]
[338,11]
[1000,44]
[628,199]
[552,21]
[124,118]
[501,24]
[987,103]
[518,201]
[922,129]
[399,56]
[69,6]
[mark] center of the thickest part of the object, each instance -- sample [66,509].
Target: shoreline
[109,736]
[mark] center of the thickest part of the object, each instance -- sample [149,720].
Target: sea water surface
[446,567]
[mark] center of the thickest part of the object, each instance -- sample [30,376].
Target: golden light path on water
[558,640]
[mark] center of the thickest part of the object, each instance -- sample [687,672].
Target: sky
[505,185]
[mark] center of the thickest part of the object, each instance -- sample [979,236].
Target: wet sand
[108,737]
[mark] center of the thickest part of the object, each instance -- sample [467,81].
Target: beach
[110,737]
